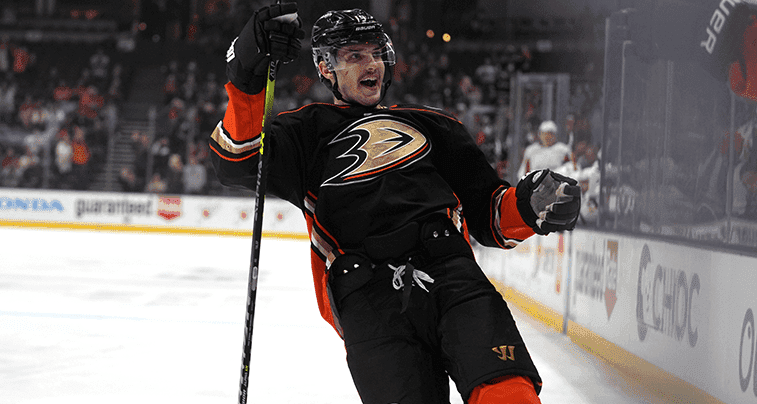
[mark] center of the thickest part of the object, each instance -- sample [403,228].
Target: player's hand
[548,201]
[272,33]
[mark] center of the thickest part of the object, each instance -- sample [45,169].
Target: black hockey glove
[548,201]
[263,39]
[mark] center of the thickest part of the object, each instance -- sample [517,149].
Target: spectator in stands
[23,59]
[9,156]
[8,168]
[484,136]
[81,158]
[174,175]
[185,130]
[90,102]
[99,64]
[160,152]
[189,87]
[195,177]
[156,185]
[29,171]
[109,117]
[486,75]
[548,153]
[171,81]
[487,72]
[141,146]
[26,111]
[129,181]
[62,91]
[22,171]
[173,114]
[64,159]
[115,90]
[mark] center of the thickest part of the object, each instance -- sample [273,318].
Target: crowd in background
[71,109]
[67,109]
[82,97]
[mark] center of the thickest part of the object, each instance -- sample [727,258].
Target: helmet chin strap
[335,90]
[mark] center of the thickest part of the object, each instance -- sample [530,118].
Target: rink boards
[147,212]
[679,318]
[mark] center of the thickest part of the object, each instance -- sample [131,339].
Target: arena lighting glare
[446,37]
[430,33]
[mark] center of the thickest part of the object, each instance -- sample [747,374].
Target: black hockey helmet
[337,29]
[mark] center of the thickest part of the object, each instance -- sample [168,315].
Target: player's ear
[325,72]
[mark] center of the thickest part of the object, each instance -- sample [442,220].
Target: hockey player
[547,152]
[390,196]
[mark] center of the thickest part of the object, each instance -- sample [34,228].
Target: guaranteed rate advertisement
[122,211]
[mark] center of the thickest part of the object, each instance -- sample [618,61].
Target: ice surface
[92,317]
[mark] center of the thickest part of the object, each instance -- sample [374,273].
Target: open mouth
[369,82]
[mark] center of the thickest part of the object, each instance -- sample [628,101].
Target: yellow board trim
[535,309]
[660,382]
[118,227]
[663,383]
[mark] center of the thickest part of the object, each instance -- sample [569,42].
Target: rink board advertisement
[648,298]
[150,211]
[538,267]
[687,311]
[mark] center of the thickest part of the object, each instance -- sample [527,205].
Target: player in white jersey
[547,153]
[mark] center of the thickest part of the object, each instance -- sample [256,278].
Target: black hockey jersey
[357,172]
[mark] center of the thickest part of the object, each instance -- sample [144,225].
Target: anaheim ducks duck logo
[382,143]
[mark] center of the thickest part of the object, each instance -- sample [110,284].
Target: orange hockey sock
[505,390]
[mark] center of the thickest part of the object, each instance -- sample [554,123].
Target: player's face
[547,138]
[360,73]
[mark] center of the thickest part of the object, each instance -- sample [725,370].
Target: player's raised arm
[268,35]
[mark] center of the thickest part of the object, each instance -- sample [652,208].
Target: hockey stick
[257,229]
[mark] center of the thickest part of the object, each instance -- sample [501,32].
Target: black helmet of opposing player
[337,29]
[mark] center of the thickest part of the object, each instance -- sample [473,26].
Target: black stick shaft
[257,229]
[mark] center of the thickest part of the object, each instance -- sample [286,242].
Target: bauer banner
[146,210]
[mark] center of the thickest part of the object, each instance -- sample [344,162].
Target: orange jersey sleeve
[507,225]
[237,136]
